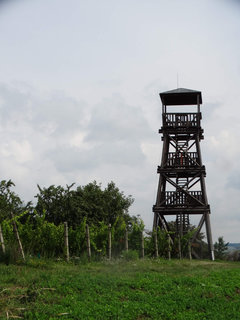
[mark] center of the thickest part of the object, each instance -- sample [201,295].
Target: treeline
[38,229]
[58,204]
[40,226]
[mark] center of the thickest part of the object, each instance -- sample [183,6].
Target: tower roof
[181,96]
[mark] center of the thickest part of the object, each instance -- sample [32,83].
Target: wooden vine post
[179,248]
[156,243]
[15,230]
[126,239]
[169,247]
[2,240]
[142,245]
[189,250]
[66,245]
[88,243]
[109,241]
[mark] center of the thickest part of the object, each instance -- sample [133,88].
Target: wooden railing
[180,159]
[181,120]
[179,198]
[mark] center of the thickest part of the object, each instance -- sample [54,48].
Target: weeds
[135,289]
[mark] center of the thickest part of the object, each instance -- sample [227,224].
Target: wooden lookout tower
[181,189]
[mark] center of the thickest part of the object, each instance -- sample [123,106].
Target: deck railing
[182,159]
[181,199]
[181,120]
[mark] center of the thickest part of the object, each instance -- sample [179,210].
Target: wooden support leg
[209,236]
[155,221]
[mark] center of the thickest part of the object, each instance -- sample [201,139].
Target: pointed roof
[181,96]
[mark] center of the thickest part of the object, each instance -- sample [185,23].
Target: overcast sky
[79,85]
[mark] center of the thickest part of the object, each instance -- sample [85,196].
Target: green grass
[149,289]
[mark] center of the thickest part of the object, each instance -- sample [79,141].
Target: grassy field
[149,289]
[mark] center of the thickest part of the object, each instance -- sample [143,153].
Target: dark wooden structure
[181,189]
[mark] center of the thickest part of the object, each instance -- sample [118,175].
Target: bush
[130,255]
[11,255]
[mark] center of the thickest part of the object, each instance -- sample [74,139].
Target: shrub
[11,254]
[130,255]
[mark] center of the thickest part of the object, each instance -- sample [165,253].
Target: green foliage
[162,241]
[39,237]
[11,254]
[220,248]
[88,202]
[130,255]
[9,201]
[77,239]
[99,239]
[168,241]
[55,203]
[41,228]
[135,233]
[45,239]
[118,236]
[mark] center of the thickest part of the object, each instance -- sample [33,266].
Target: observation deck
[182,164]
[181,122]
[173,202]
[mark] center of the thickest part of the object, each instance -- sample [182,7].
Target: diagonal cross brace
[183,151]
[181,188]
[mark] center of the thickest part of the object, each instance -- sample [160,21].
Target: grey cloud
[233,180]
[63,113]
[114,120]
[114,137]
[13,104]
[69,159]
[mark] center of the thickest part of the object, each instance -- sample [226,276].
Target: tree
[10,205]
[220,248]
[88,202]
[54,203]
[10,202]
[116,204]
